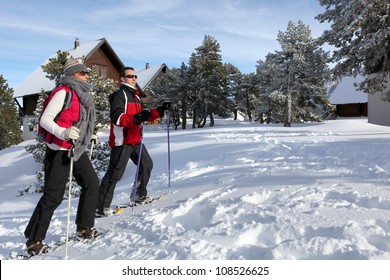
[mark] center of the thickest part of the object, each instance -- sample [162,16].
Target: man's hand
[166,106]
[142,117]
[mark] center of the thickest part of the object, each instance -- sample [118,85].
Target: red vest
[66,118]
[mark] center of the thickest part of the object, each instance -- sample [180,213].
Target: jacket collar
[129,88]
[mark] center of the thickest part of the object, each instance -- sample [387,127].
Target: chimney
[147,66]
[76,43]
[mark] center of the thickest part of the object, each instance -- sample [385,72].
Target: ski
[19,256]
[119,208]
[23,255]
[112,212]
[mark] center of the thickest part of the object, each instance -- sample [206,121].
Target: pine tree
[235,90]
[10,132]
[210,82]
[174,86]
[243,92]
[265,73]
[102,88]
[360,32]
[297,76]
[185,98]
[271,79]
[250,97]
[54,68]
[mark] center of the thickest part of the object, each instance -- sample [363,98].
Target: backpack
[68,99]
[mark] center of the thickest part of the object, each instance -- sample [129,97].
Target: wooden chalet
[149,74]
[97,54]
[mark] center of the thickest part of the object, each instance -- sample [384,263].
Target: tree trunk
[183,117]
[202,122]
[248,110]
[287,122]
[249,115]
[211,120]
[194,120]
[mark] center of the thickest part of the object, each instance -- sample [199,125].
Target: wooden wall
[100,59]
[352,110]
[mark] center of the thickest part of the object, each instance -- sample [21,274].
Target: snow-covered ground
[238,191]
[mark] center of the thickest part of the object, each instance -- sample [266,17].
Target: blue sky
[140,32]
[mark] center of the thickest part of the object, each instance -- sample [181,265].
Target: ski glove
[95,139]
[142,117]
[72,133]
[166,106]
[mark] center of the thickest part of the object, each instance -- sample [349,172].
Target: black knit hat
[73,66]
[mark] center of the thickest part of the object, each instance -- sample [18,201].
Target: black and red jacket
[124,104]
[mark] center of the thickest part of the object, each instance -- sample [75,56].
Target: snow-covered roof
[35,83]
[146,75]
[37,80]
[345,92]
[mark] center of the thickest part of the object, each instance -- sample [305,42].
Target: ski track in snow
[251,193]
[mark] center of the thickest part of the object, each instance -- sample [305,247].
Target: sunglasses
[131,76]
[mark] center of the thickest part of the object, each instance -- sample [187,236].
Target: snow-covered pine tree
[360,33]
[236,91]
[266,73]
[102,88]
[173,87]
[54,68]
[306,69]
[10,133]
[210,82]
[247,95]
[197,90]
[299,72]
[185,99]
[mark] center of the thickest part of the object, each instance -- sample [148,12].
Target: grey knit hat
[73,66]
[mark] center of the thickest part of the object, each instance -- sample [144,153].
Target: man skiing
[127,115]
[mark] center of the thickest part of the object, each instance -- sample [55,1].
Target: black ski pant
[120,155]
[57,168]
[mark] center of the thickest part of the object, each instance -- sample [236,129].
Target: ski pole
[169,152]
[69,198]
[93,141]
[135,185]
[91,151]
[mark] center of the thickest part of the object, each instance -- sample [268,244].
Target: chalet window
[101,70]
